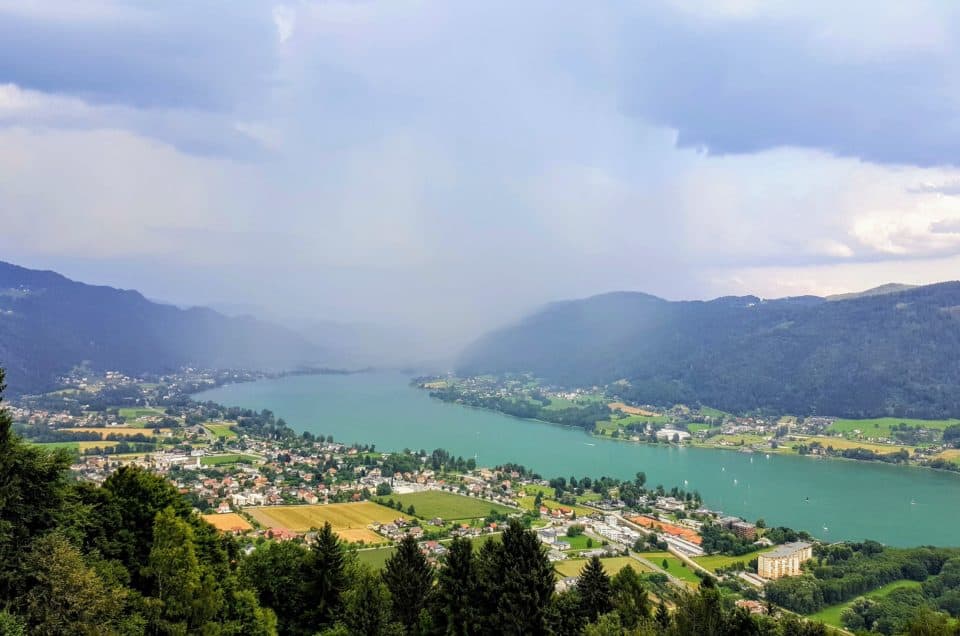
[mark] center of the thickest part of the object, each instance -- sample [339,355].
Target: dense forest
[892,354]
[50,324]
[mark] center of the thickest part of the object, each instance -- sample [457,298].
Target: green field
[611,565]
[831,615]
[221,430]
[675,566]
[70,446]
[715,561]
[880,426]
[446,505]
[712,412]
[376,558]
[235,458]
[580,543]
[131,414]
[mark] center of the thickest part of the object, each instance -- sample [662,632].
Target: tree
[277,571]
[593,586]
[663,616]
[408,578]
[383,489]
[32,491]
[366,607]
[629,597]
[186,595]
[454,607]
[526,583]
[66,596]
[127,512]
[607,625]
[326,577]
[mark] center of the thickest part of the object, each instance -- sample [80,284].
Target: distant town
[600,411]
[250,475]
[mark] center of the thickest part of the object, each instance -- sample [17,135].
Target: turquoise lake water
[831,499]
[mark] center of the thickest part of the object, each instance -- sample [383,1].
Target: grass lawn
[880,426]
[376,558]
[580,543]
[611,565]
[220,429]
[831,615]
[715,561]
[558,404]
[446,505]
[675,566]
[735,440]
[233,458]
[694,427]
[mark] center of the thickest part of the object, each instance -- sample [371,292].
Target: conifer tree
[527,582]
[409,579]
[327,577]
[455,604]
[593,587]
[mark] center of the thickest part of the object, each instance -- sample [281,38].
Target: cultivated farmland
[228,522]
[346,518]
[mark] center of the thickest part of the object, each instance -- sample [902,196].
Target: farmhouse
[784,561]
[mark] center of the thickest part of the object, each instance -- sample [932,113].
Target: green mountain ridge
[49,324]
[895,353]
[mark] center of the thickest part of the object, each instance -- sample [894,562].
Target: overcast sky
[455,164]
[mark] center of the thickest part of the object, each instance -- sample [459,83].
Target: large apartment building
[784,561]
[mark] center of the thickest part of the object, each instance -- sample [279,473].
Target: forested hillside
[49,324]
[896,353]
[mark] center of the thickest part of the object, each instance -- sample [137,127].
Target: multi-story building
[784,561]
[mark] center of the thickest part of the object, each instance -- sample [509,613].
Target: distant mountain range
[49,324]
[894,350]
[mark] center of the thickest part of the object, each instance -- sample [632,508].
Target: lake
[831,499]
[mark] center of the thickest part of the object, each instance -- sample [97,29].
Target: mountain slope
[48,324]
[896,353]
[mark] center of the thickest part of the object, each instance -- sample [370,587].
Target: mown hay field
[227,522]
[343,516]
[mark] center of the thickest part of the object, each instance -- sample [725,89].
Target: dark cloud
[741,86]
[177,54]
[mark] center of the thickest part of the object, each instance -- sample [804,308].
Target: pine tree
[409,579]
[527,582]
[366,607]
[326,577]
[593,587]
[455,611]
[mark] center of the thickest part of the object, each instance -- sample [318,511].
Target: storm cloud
[450,166]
